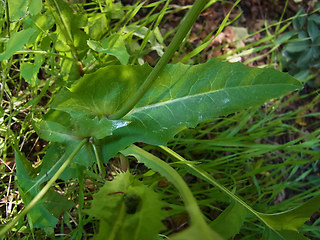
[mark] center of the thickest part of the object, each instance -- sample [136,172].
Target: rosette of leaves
[301,53]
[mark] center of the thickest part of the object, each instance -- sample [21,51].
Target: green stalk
[43,191]
[97,153]
[206,177]
[8,17]
[183,30]
[197,220]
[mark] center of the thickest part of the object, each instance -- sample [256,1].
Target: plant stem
[124,163]
[43,191]
[183,30]
[8,18]
[97,153]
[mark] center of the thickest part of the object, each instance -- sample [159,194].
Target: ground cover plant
[95,104]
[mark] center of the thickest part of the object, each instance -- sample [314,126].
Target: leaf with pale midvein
[187,95]
[181,97]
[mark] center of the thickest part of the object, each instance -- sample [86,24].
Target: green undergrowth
[269,156]
[86,152]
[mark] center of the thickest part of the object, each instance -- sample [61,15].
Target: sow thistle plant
[108,105]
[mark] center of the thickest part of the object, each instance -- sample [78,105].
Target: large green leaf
[103,92]
[35,6]
[17,9]
[289,222]
[60,127]
[182,97]
[127,209]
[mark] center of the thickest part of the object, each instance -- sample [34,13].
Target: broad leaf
[57,203]
[127,209]
[103,92]
[289,222]
[77,128]
[29,71]
[59,127]
[35,6]
[182,97]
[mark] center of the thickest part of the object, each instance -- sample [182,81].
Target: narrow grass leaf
[230,221]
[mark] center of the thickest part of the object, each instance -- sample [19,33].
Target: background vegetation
[268,155]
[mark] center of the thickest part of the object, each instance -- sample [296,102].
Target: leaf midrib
[139,109]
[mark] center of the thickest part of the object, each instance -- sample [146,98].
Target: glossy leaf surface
[78,128]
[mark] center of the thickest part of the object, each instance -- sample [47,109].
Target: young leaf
[29,71]
[289,222]
[113,45]
[39,216]
[127,209]
[199,227]
[69,27]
